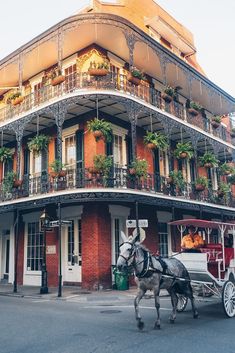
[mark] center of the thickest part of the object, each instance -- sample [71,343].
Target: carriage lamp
[44,225]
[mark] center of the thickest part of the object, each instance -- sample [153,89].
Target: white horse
[154,273]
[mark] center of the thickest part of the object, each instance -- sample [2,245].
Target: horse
[154,273]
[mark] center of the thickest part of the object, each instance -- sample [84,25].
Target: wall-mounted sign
[51,249]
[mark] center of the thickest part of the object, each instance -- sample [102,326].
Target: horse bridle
[132,253]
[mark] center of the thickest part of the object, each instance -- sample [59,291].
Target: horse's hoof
[196,316]
[172,321]
[157,326]
[140,325]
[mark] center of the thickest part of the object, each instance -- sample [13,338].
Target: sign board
[131,223]
[51,249]
[62,222]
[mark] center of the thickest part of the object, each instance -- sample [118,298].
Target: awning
[202,223]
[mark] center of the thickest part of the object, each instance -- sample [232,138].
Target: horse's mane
[143,247]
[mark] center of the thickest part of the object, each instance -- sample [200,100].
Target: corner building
[58,95]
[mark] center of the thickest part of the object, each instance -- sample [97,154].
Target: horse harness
[148,268]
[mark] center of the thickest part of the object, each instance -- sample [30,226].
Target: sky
[210,21]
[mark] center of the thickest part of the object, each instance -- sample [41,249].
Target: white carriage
[212,270]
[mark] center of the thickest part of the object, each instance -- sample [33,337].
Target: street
[92,324]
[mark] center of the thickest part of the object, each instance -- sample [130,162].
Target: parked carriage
[212,270]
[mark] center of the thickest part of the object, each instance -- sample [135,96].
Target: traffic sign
[131,223]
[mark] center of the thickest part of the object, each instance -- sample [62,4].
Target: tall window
[34,247]
[116,237]
[74,244]
[37,163]
[70,77]
[118,150]
[70,150]
[71,244]
[163,239]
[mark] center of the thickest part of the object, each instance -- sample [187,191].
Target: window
[70,77]
[74,244]
[34,247]
[71,244]
[116,238]
[37,163]
[118,150]
[163,239]
[70,150]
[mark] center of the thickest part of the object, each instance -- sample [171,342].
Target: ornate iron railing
[118,178]
[113,81]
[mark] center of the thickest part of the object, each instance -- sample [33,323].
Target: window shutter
[109,147]
[80,173]
[156,169]
[129,150]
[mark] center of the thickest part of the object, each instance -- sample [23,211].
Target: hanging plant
[216,121]
[208,160]
[57,77]
[184,150]
[201,183]
[226,169]
[194,108]
[39,143]
[155,140]
[14,98]
[57,168]
[6,154]
[101,129]
[223,190]
[135,76]
[98,69]
[168,94]
[102,164]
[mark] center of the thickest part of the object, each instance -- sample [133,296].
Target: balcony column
[59,113]
[130,41]
[163,62]
[60,38]
[20,68]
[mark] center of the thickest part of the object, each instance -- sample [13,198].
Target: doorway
[5,254]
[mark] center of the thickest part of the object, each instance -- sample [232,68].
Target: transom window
[34,247]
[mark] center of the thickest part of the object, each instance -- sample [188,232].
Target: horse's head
[127,252]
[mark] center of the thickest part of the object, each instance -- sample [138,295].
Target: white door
[5,254]
[72,252]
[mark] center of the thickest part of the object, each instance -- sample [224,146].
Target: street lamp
[44,224]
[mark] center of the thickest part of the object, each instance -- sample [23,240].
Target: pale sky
[210,21]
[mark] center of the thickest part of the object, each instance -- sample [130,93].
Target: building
[133,66]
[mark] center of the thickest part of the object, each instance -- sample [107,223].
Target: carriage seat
[228,256]
[213,251]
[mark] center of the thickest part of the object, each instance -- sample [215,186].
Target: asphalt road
[107,325]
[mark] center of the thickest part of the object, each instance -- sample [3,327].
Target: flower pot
[215,124]
[17,183]
[132,171]
[199,187]
[193,112]
[92,170]
[183,155]
[62,173]
[167,98]
[53,174]
[98,72]
[169,180]
[98,134]
[57,80]
[208,165]
[17,100]
[151,146]
[134,80]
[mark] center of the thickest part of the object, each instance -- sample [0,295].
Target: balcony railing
[118,179]
[80,81]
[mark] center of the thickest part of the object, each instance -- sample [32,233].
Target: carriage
[212,270]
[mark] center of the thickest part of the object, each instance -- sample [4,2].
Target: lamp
[44,225]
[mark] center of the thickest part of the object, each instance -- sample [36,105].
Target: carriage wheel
[228,298]
[182,303]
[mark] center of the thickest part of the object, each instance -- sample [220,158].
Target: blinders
[131,251]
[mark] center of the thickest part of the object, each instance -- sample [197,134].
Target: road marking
[124,306]
[40,301]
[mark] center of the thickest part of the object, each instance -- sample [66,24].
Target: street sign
[57,223]
[131,223]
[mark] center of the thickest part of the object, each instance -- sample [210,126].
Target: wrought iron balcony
[113,81]
[118,178]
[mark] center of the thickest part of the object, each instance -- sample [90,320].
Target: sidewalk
[70,292]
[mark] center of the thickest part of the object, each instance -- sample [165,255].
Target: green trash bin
[121,280]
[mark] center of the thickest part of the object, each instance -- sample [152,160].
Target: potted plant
[194,108]
[176,178]
[184,150]
[57,77]
[231,178]
[8,182]
[101,129]
[57,168]
[102,164]
[215,121]
[139,168]
[135,76]
[155,140]
[15,98]
[168,94]
[201,183]
[226,169]
[208,160]
[39,143]
[6,154]
[232,132]
[223,189]
[99,69]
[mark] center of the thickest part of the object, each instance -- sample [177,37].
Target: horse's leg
[174,302]
[139,296]
[189,294]
[156,292]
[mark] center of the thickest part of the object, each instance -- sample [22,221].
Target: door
[5,254]
[72,252]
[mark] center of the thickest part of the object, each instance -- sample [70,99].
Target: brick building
[134,68]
